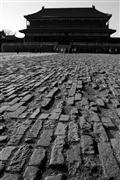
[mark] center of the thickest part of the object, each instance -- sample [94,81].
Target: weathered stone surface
[57,157]
[70,101]
[118,111]
[86,143]
[100,102]
[6,152]
[9,176]
[27,97]
[78,97]
[2,167]
[73,159]
[45,138]
[30,173]
[107,122]
[52,92]
[37,157]
[43,116]
[15,106]
[61,129]
[115,142]
[73,132]
[84,125]
[35,113]
[49,124]
[16,113]
[110,166]
[19,158]
[15,100]
[100,132]
[115,102]
[54,115]
[35,129]
[64,118]
[18,134]
[3,138]
[45,103]
[2,109]
[94,117]
[54,177]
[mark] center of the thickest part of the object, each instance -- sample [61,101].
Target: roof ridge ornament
[43,7]
[93,6]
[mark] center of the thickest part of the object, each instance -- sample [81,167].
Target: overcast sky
[12,11]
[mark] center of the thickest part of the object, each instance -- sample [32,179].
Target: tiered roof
[68,12]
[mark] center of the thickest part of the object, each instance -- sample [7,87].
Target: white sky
[12,11]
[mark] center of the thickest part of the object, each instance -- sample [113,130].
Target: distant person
[17,50]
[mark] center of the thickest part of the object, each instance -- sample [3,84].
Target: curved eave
[50,30]
[111,31]
[69,13]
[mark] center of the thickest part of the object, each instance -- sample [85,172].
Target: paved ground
[59,117]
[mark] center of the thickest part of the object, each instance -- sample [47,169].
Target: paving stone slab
[57,157]
[43,116]
[30,173]
[73,159]
[54,177]
[19,158]
[35,113]
[54,115]
[33,132]
[6,152]
[45,138]
[115,142]
[16,113]
[9,176]
[18,134]
[86,144]
[37,157]
[100,132]
[70,101]
[73,132]
[61,129]
[27,97]
[110,166]
[64,118]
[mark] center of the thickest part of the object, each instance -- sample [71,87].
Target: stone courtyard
[59,117]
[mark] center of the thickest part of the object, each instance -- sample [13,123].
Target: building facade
[68,27]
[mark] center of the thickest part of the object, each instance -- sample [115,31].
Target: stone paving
[59,117]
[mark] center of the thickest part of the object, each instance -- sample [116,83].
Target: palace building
[79,28]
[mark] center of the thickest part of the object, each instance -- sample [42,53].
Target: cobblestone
[59,116]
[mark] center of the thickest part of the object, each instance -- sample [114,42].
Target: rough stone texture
[116,147]
[19,158]
[59,116]
[73,132]
[43,116]
[9,176]
[6,152]
[54,177]
[30,173]
[37,157]
[100,132]
[110,166]
[35,113]
[45,138]
[73,159]
[16,113]
[64,118]
[87,144]
[70,101]
[35,129]
[61,129]
[57,157]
